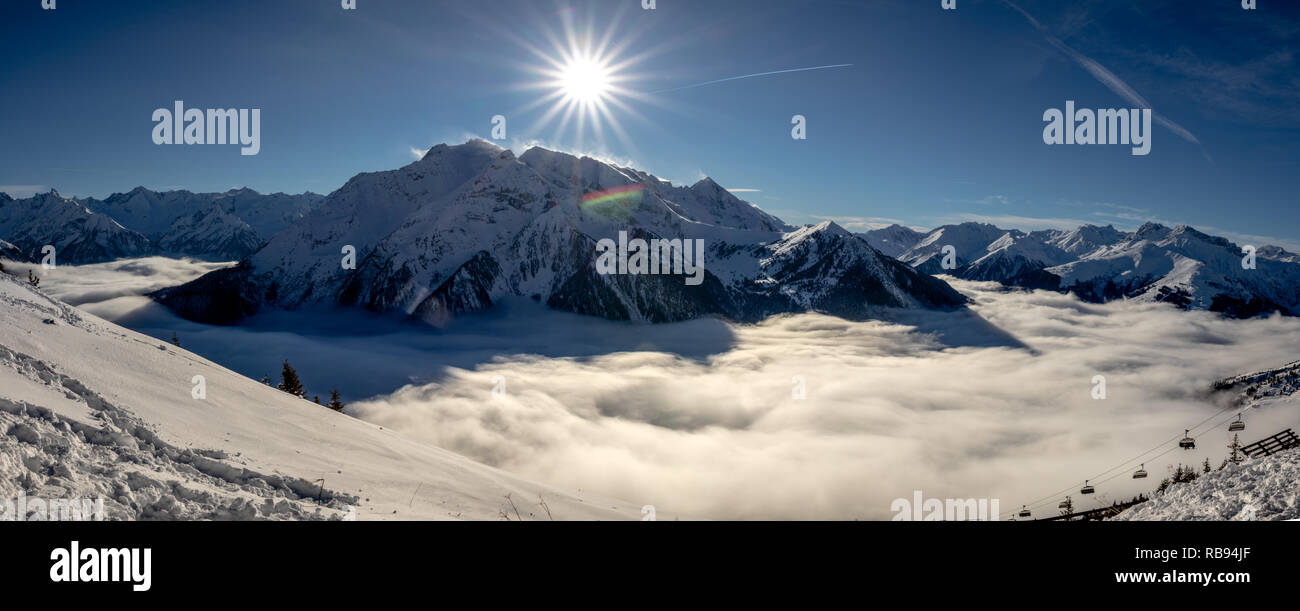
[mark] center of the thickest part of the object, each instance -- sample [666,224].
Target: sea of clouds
[701,419]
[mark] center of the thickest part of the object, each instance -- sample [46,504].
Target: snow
[471,225]
[971,241]
[1154,260]
[77,234]
[154,213]
[1257,489]
[1154,263]
[96,410]
[893,240]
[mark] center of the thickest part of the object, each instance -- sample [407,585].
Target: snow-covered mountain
[1178,265]
[470,224]
[969,240]
[78,234]
[228,225]
[10,251]
[93,410]
[1185,267]
[210,232]
[1276,253]
[1259,386]
[153,213]
[893,240]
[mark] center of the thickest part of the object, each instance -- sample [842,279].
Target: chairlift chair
[1237,426]
[1141,473]
[1187,443]
[1086,488]
[1024,511]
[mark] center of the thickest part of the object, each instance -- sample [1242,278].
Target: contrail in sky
[1110,80]
[736,78]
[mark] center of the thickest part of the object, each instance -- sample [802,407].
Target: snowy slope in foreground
[1265,486]
[92,410]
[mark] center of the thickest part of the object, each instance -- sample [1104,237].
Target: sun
[584,81]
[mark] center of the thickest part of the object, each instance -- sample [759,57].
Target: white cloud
[698,418]
[945,403]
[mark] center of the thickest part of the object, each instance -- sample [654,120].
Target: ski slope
[1257,489]
[94,410]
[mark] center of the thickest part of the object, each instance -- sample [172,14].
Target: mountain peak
[829,227]
[1150,229]
[470,147]
[707,185]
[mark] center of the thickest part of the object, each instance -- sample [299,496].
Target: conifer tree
[1235,446]
[33,279]
[335,404]
[289,381]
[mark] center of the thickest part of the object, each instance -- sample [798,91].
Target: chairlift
[1086,488]
[1141,473]
[1237,426]
[1024,511]
[1187,443]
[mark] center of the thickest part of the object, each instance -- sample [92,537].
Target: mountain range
[225,226]
[1177,265]
[469,225]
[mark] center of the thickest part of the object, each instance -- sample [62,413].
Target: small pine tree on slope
[335,404]
[289,381]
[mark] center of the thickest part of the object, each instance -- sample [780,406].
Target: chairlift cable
[1134,459]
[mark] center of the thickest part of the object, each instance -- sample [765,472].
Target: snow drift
[92,410]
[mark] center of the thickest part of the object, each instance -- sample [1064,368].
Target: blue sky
[938,118]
